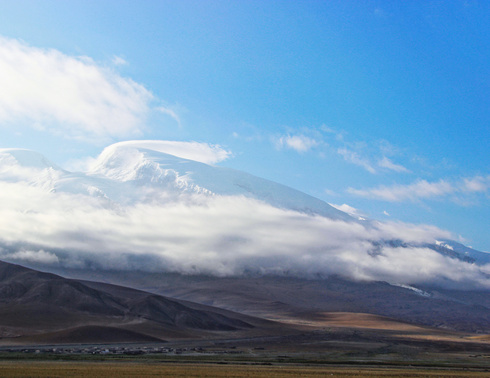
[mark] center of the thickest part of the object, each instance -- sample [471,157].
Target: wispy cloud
[299,143]
[476,184]
[423,189]
[388,164]
[367,157]
[69,96]
[396,193]
[339,135]
[170,112]
[118,61]
[374,157]
[354,158]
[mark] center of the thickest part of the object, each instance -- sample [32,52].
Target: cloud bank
[69,96]
[218,235]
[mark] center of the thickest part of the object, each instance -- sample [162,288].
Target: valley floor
[334,351]
[52,326]
[138,369]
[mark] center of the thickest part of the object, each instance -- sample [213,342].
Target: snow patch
[445,245]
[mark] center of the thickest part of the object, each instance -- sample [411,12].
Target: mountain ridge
[34,303]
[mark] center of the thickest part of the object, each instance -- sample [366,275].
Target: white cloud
[170,113]
[40,256]
[76,220]
[69,96]
[354,158]
[118,61]
[418,190]
[349,210]
[220,235]
[202,152]
[423,189]
[388,164]
[374,156]
[476,184]
[299,143]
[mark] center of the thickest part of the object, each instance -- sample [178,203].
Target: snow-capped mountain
[125,162]
[28,166]
[124,172]
[463,252]
[138,206]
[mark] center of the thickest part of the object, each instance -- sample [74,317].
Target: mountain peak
[21,165]
[145,163]
[25,158]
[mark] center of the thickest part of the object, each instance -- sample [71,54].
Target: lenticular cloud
[144,209]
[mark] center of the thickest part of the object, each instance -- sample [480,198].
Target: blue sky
[380,105]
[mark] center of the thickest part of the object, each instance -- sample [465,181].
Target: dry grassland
[123,369]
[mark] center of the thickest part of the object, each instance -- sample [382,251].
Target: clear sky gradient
[379,105]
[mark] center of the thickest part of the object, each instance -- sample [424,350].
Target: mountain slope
[33,302]
[282,298]
[463,252]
